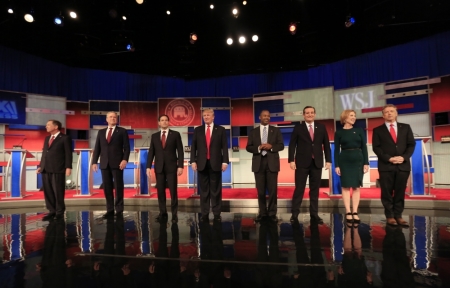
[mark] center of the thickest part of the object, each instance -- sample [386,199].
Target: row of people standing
[392,142]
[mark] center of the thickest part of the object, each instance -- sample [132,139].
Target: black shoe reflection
[268,275]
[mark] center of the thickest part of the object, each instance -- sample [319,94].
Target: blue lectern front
[142,182]
[17,168]
[84,172]
[419,166]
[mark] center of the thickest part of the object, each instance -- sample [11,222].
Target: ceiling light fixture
[229,41]
[235,12]
[73,14]
[293,28]
[242,39]
[193,38]
[10,11]
[255,38]
[139,1]
[29,18]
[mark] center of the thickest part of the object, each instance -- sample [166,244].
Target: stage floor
[236,252]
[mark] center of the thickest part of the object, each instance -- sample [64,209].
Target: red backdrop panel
[243,142]
[182,112]
[34,139]
[77,121]
[139,115]
[440,98]
[329,124]
[242,112]
[372,123]
[440,131]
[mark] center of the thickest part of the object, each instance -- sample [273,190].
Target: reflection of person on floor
[353,271]
[308,276]
[55,272]
[113,270]
[268,275]
[167,272]
[396,268]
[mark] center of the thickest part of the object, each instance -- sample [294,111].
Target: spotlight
[293,28]
[59,20]
[349,21]
[255,38]
[193,38]
[242,39]
[130,47]
[244,3]
[168,12]
[229,41]
[124,18]
[235,12]
[139,1]
[10,11]
[211,6]
[73,14]
[29,18]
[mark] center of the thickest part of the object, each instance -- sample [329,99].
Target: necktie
[163,139]
[109,135]
[208,140]
[393,135]
[51,141]
[264,140]
[311,134]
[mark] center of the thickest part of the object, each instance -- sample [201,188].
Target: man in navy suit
[394,144]
[209,155]
[55,165]
[309,141]
[166,148]
[113,148]
[264,142]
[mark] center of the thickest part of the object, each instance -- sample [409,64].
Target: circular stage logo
[181,112]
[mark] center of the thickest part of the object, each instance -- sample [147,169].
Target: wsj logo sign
[8,110]
[358,100]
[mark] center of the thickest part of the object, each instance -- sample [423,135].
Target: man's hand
[151,268]
[126,269]
[94,167]
[38,170]
[224,167]
[68,171]
[123,164]
[194,166]
[327,165]
[268,146]
[179,171]
[293,166]
[338,171]
[366,168]
[148,172]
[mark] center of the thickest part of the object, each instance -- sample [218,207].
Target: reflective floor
[136,251]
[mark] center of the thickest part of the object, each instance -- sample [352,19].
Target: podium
[142,182]
[334,179]
[84,173]
[17,168]
[420,166]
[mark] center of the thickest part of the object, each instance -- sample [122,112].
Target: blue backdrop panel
[221,117]
[420,102]
[273,106]
[286,133]
[12,108]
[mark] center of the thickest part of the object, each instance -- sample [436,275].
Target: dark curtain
[25,73]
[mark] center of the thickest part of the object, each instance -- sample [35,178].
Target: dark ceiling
[98,37]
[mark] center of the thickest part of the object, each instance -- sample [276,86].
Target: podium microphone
[19,146]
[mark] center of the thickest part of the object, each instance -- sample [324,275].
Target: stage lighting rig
[293,28]
[193,38]
[349,21]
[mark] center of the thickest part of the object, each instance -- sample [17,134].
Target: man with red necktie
[209,156]
[113,148]
[55,165]
[166,148]
[394,144]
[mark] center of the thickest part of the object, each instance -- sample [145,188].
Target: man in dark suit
[209,156]
[167,149]
[394,144]
[56,164]
[265,141]
[309,141]
[113,148]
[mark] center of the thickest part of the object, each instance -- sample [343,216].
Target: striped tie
[264,140]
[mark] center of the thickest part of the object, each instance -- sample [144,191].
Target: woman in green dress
[351,161]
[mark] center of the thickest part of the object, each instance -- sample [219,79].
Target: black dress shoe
[48,217]
[317,220]
[205,217]
[174,218]
[273,218]
[108,215]
[258,218]
[119,214]
[59,216]
[294,218]
[217,218]
[161,216]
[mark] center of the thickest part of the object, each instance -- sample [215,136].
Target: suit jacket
[218,148]
[168,155]
[301,147]
[115,151]
[274,138]
[58,157]
[383,145]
